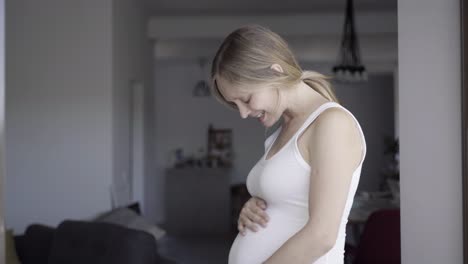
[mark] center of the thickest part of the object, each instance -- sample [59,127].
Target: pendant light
[349,67]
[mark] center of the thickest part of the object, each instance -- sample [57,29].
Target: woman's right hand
[252,214]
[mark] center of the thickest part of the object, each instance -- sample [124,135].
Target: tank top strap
[314,115]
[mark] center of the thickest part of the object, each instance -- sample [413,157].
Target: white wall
[132,57]
[430,131]
[288,24]
[318,42]
[58,110]
[69,69]
[379,51]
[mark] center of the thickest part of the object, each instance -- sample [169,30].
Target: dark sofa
[83,242]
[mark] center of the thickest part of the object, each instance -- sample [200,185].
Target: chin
[268,123]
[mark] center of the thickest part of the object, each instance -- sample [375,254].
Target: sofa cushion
[80,242]
[34,245]
[128,218]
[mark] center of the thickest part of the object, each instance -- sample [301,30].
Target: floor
[213,249]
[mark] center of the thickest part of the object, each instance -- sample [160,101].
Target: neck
[299,102]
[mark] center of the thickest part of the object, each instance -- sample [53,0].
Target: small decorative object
[179,153]
[349,67]
[391,152]
[202,88]
[181,160]
[178,158]
[200,158]
[394,187]
[391,172]
[220,147]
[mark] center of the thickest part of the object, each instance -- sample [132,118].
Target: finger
[265,216]
[261,215]
[241,228]
[251,203]
[253,216]
[255,205]
[260,209]
[248,223]
[261,203]
[240,224]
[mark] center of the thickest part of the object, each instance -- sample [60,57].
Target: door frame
[464,104]
[2,132]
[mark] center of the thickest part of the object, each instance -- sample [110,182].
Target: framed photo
[220,146]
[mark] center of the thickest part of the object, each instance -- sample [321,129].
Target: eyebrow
[240,98]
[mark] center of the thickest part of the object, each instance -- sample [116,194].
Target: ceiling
[244,7]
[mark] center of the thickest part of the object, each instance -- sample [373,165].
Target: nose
[244,111]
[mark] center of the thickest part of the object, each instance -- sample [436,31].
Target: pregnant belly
[257,247]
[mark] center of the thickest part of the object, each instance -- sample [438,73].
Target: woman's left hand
[252,214]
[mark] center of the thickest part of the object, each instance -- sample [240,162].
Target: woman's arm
[335,152]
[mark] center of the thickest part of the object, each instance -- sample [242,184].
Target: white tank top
[283,182]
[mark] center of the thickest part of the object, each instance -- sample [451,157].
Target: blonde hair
[246,56]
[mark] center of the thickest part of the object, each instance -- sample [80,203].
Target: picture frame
[219,146]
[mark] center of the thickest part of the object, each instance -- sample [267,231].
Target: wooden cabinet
[197,201]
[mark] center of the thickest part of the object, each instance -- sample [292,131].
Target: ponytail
[320,84]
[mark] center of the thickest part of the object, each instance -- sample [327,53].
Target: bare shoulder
[335,133]
[336,118]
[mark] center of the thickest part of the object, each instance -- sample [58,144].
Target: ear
[276,67]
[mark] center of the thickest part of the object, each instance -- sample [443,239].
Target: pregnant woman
[307,178]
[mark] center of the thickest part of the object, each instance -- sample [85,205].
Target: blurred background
[108,116]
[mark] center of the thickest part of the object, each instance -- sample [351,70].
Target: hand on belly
[253,215]
[256,246]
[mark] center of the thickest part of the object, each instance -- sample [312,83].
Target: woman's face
[258,101]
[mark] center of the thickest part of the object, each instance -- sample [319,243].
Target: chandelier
[349,67]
